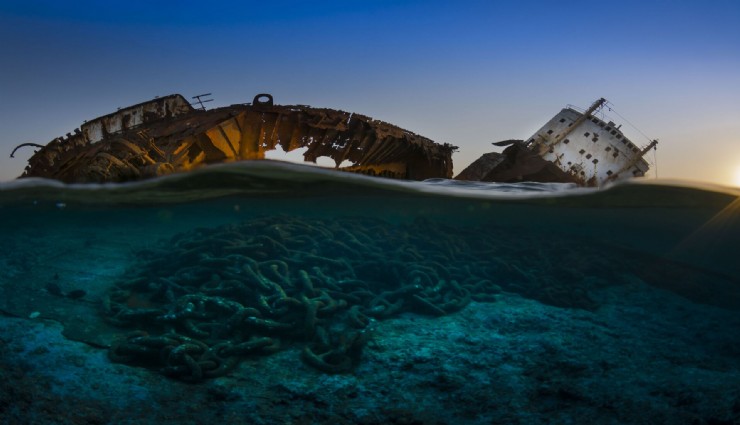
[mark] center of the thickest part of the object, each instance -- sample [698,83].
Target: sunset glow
[453,73]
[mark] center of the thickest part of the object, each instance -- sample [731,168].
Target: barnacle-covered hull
[167,135]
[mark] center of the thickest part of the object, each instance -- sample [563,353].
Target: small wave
[276,178]
[526,187]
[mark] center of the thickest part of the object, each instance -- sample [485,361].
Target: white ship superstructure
[588,148]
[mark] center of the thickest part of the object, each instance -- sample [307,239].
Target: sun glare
[736,179]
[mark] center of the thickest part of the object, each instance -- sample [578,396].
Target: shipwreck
[168,134]
[572,147]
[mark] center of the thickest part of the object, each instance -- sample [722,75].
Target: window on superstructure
[549,131]
[566,141]
[582,151]
[588,156]
[562,119]
[614,132]
[608,148]
[619,136]
[595,161]
[609,173]
[586,134]
[607,128]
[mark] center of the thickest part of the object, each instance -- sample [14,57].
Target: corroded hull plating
[167,135]
[572,147]
[590,150]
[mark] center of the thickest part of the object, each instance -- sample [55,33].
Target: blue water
[188,275]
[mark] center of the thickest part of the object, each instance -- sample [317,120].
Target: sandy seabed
[644,356]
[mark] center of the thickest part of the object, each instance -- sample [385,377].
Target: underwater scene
[274,293]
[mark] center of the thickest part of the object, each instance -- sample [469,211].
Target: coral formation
[209,297]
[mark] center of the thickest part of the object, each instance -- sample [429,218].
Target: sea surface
[269,292]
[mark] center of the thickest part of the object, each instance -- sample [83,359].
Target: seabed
[448,310]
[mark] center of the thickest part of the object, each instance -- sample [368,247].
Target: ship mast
[586,115]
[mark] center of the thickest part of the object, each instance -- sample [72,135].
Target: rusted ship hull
[515,164]
[572,147]
[168,135]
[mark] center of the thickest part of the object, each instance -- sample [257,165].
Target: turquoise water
[187,276]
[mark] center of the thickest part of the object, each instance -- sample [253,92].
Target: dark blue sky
[467,73]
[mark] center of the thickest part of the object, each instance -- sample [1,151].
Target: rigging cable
[611,109]
[655,148]
[25,144]
[655,161]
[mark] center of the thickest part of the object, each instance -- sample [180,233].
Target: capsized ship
[167,135]
[573,146]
